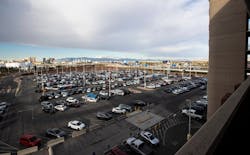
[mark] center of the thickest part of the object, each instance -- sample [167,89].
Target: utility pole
[190,65]
[70,70]
[189,120]
[109,83]
[145,84]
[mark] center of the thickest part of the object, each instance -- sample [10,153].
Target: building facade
[228,43]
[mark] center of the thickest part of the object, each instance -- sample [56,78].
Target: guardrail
[5,153]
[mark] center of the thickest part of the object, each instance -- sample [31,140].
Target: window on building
[248,24]
[248,43]
[248,62]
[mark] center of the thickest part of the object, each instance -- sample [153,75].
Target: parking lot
[25,115]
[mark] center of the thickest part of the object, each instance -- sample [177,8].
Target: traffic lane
[170,102]
[86,114]
[96,141]
[7,88]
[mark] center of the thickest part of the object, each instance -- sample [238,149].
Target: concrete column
[227,45]
[50,150]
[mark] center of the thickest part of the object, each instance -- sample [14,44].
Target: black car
[168,90]
[44,98]
[126,91]
[139,103]
[55,132]
[38,90]
[104,115]
[103,97]
[50,110]
[73,104]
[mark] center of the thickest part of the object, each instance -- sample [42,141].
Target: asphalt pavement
[27,117]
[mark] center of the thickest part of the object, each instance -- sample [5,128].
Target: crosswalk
[160,129]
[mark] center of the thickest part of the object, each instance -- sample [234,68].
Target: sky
[104,28]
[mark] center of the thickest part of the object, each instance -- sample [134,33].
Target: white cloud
[115,25]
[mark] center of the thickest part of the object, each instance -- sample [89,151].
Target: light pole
[189,120]
[190,68]
[109,83]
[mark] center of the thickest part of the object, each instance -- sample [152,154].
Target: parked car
[193,113]
[61,107]
[76,125]
[139,103]
[149,137]
[55,132]
[103,93]
[104,115]
[118,110]
[46,104]
[115,151]
[73,104]
[126,107]
[43,98]
[139,146]
[71,99]
[3,107]
[30,140]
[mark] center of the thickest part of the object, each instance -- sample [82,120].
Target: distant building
[49,60]
[21,65]
[44,60]
[32,59]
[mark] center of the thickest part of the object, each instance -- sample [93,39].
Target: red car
[115,151]
[29,140]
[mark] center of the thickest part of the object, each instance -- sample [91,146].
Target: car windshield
[151,137]
[78,123]
[56,131]
[33,138]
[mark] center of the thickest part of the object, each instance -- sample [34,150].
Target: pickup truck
[139,146]
[193,113]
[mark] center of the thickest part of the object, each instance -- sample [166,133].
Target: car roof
[75,121]
[27,136]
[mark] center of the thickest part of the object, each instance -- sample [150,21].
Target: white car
[103,93]
[88,90]
[76,125]
[149,137]
[151,86]
[193,113]
[61,107]
[71,100]
[118,110]
[64,94]
[90,99]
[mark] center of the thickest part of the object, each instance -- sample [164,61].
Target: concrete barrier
[134,91]
[28,150]
[5,153]
[54,142]
[146,89]
[78,133]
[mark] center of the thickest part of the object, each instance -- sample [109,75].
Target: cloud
[148,26]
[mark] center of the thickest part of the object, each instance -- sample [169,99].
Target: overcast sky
[104,28]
